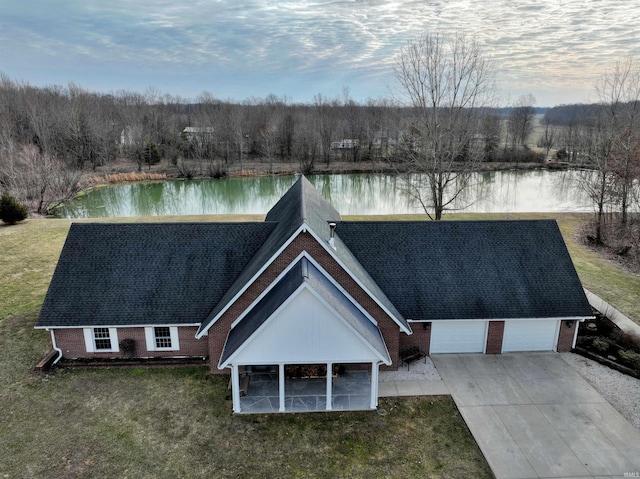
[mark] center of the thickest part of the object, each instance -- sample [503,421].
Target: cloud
[535,44]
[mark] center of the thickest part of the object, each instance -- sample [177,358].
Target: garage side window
[162,338]
[101,340]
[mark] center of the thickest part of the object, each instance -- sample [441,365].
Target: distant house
[387,138]
[345,144]
[130,135]
[305,294]
[198,134]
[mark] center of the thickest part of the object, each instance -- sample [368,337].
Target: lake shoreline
[127,171]
[373,193]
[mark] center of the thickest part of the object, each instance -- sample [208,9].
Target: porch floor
[350,391]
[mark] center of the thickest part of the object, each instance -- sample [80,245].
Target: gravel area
[424,370]
[622,391]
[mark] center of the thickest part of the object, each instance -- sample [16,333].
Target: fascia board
[205,330]
[147,325]
[229,360]
[559,318]
[304,286]
[304,254]
[386,360]
[330,250]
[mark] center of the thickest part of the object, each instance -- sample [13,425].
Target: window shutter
[175,344]
[113,335]
[88,340]
[150,337]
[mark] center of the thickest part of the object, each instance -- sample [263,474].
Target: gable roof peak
[302,203]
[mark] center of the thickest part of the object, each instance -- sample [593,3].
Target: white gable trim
[352,329]
[304,228]
[263,326]
[331,251]
[205,330]
[303,254]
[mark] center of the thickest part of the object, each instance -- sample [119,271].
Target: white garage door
[458,336]
[530,335]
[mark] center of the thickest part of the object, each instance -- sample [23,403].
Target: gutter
[55,346]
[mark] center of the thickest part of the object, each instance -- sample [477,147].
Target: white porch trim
[374,385]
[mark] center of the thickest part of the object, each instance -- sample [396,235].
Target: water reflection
[362,194]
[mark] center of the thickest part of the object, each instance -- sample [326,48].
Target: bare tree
[619,91]
[38,180]
[449,82]
[520,122]
[549,136]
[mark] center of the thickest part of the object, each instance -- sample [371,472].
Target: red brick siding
[303,242]
[71,341]
[495,334]
[565,337]
[421,338]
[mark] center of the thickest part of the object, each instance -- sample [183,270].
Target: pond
[351,194]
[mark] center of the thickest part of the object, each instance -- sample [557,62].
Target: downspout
[575,333]
[55,346]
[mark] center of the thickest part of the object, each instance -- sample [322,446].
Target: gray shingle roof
[469,269]
[303,272]
[302,203]
[186,273]
[135,274]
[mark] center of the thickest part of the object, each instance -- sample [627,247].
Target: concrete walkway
[534,416]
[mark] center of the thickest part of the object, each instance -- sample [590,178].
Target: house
[130,135]
[346,144]
[305,293]
[198,133]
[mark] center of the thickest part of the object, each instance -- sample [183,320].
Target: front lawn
[177,422]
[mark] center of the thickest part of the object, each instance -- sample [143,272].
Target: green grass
[177,422]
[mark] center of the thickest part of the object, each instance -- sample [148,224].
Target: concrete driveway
[534,416]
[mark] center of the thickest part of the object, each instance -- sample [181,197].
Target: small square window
[163,337]
[102,338]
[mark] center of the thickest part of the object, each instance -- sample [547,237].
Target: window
[162,338]
[101,340]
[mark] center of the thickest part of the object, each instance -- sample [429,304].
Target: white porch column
[329,386]
[235,387]
[374,385]
[281,386]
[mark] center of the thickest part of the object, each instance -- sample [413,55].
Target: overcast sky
[553,49]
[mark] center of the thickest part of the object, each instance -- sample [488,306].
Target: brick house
[305,288]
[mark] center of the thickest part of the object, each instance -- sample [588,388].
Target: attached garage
[456,336]
[530,335]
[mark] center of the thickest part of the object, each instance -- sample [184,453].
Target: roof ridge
[303,204]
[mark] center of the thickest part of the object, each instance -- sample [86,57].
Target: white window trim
[90,341]
[150,338]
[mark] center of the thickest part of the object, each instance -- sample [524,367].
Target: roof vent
[332,235]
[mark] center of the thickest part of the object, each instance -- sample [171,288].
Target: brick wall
[565,337]
[495,334]
[303,242]
[421,338]
[71,341]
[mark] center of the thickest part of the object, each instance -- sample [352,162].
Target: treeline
[48,135]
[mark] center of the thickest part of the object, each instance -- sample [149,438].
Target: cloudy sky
[553,49]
